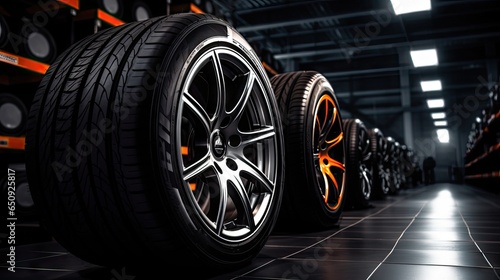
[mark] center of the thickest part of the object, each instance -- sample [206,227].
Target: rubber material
[304,208]
[379,174]
[358,165]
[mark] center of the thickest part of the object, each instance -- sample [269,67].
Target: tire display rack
[483,148]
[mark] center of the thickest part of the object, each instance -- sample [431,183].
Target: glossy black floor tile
[314,270]
[431,272]
[437,245]
[439,232]
[437,257]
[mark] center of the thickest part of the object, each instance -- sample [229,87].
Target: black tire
[407,167]
[315,154]
[390,166]
[358,165]
[158,142]
[380,175]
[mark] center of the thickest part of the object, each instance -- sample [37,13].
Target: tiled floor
[440,232]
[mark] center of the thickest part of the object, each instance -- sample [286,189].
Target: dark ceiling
[363,48]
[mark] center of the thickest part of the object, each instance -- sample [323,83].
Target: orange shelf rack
[23,62]
[109,19]
[71,3]
[12,143]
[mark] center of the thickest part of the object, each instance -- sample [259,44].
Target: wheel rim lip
[262,213]
[327,96]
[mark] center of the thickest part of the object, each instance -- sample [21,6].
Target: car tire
[380,175]
[158,142]
[358,165]
[315,153]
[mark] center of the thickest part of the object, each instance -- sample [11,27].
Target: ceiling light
[441,123]
[423,58]
[431,85]
[478,120]
[443,135]
[437,116]
[435,103]
[410,6]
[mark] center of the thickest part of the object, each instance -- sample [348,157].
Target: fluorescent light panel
[410,6]
[435,103]
[443,135]
[438,116]
[431,85]
[441,123]
[424,58]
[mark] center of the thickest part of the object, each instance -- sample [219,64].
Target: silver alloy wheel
[365,179]
[364,171]
[229,146]
[385,178]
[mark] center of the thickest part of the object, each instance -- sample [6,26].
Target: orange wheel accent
[327,120]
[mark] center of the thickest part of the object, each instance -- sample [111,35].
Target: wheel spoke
[328,174]
[221,88]
[249,168]
[239,108]
[235,180]
[197,168]
[255,136]
[336,164]
[221,210]
[335,141]
[198,110]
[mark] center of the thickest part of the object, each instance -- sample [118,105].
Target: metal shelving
[483,151]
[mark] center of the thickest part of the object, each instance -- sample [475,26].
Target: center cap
[218,145]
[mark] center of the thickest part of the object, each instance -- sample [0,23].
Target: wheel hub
[219,145]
